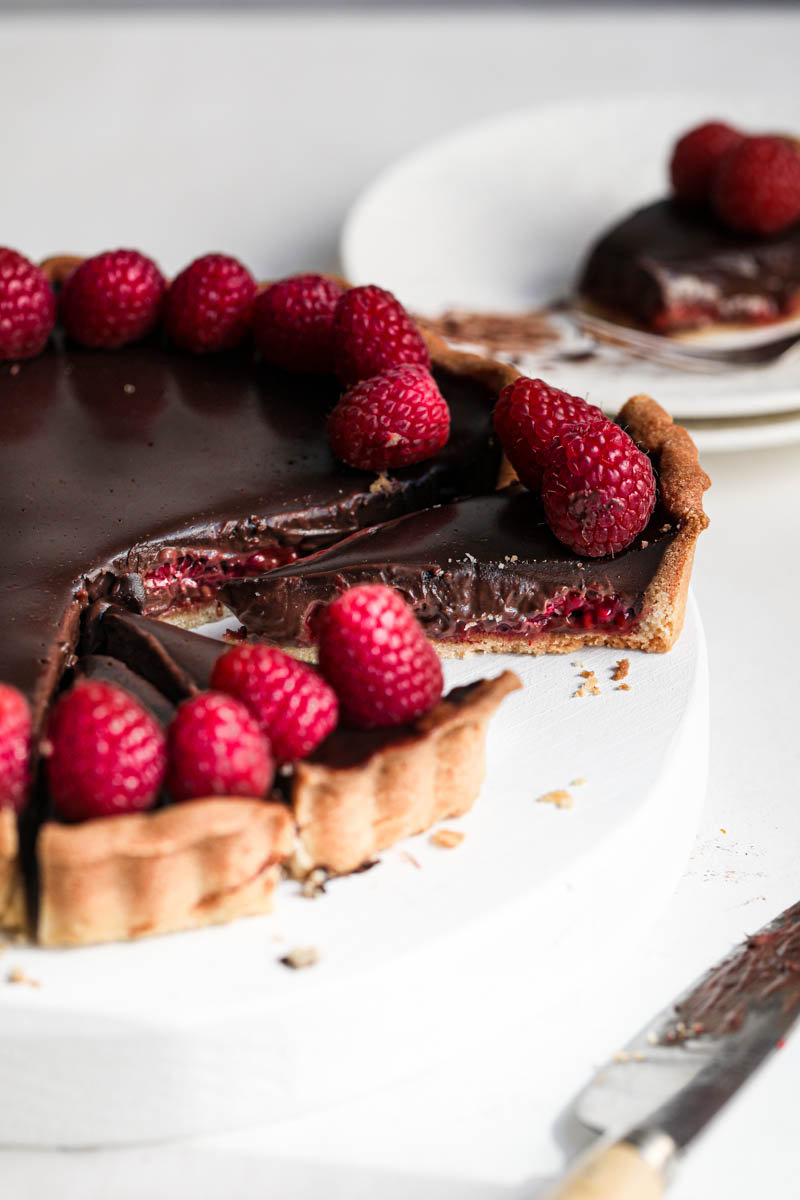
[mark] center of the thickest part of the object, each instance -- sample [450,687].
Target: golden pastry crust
[12,896]
[345,815]
[193,864]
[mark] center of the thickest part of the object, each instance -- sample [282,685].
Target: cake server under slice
[669,1081]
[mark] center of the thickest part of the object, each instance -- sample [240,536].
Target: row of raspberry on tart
[105,754]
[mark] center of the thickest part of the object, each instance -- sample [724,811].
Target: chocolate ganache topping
[116,465]
[667,267]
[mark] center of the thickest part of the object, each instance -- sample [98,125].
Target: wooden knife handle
[617,1172]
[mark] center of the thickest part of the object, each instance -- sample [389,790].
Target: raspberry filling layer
[183,577]
[569,610]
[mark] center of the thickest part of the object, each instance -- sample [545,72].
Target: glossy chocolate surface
[490,560]
[108,457]
[667,267]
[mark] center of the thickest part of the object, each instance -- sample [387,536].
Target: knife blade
[662,1088]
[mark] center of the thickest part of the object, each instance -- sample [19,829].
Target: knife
[667,1083]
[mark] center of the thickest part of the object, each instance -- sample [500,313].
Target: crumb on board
[409,858]
[622,687]
[579,782]
[448,839]
[621,1056]
[314,883]
[722,830]
[589,687]
[300,956]
[560,797]
[18,975]
[621,669]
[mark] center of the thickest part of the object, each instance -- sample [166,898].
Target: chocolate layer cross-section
[487,574]
[671,269]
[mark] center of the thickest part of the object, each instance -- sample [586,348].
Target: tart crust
[345,815]
[193,864]
[12,894]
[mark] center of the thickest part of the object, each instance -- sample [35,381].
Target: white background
[93,109]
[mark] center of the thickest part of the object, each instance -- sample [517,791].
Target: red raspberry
[393,420]
[373,651]
[27,307]
[112,299]
[207,306]
[756,187]
[598,489]
[696,157]
[294,705]
[293,323]
[15,747]
[372,332]
[528,415]
[105,753]
[217,749]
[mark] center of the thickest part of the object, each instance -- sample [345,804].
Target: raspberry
[27,307]
[393,420]
[293,323]
[696,157]
[294,705]
[598,489]
[372,332]
[105,753]
[207,306]
[528,415]
[756,187]
[15,746]
[217,749]
[373,651]
[112,299]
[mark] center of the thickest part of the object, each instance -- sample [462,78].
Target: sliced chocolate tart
[486,573]
[673,269]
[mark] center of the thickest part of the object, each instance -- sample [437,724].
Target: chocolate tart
[486,573]
[675,270]
[151,477]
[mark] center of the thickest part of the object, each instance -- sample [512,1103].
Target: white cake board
[203,1031]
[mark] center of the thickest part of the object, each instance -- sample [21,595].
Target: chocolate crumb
[299,957]
[448,839]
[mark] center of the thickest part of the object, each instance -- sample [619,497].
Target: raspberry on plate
[393,420]
[105,754]
[216,748]
[372,332]
[696,157]
[207,306]
[293,323]
[598,489]
[292,703]
[15,746]
[374,653]
[528,415]
[112,298]
[756,187]
[27,307]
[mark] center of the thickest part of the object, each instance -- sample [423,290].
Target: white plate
[745,433]
[203,1031]
[499,216]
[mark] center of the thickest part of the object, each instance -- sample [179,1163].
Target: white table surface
[341,96]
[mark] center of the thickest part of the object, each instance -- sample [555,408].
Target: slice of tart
[487,574]
[675,270]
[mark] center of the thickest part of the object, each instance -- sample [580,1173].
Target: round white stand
[420,958]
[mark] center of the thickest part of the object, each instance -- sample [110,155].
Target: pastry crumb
[14,369]
[652,1038]
[621,669]
[129,388]
[579,782]
[590,686]
[17,975]
[621,1056]
[409,858]
[314,883]
[722,830]
[448,839]
[559,796]
[622,687]
[381,483]
[300,956]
